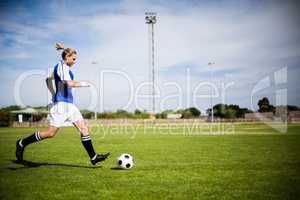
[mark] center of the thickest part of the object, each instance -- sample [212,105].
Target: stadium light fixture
[151,19]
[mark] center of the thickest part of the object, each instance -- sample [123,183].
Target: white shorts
[64,114]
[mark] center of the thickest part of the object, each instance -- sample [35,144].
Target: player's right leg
[87,141]
[35,137]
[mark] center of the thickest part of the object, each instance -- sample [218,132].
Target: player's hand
[85,84]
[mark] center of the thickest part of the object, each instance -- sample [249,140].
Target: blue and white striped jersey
[63,92]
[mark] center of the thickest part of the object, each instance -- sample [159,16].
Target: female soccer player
[63,111]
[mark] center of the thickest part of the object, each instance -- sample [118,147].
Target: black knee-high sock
[35,137]
[87,143]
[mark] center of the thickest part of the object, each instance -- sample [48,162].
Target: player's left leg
[87,143]
[35,137]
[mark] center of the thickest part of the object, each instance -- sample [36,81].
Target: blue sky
[247,40]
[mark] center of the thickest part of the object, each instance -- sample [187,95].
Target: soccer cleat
[19,151]
[99,158]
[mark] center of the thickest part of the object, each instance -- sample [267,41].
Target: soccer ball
[125,161]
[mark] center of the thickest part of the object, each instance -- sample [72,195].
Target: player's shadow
[30,164]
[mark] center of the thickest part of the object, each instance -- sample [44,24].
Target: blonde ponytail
[59,46]
[66,51]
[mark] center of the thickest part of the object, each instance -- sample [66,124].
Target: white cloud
[245,45]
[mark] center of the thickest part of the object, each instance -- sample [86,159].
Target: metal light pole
[95,112]
[211,96]
[151,20]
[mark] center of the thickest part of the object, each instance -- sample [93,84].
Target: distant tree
[11,108]
[220,110]
[179,111]
[106,115]
[137,112]
[242,111]
[195,112]
[87,114]
[144,115]
[292,108]
[41,107]
[239,112]
[120,111]
[272,109]
[4,118]
[265,106]
[187,114]
[233,107]
[123,114]
[230,113]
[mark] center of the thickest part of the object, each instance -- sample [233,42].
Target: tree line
[224,111]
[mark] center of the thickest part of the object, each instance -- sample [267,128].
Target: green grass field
[253,162]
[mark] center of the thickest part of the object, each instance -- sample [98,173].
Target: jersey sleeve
[63,72]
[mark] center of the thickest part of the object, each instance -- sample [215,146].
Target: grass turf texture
[255,162]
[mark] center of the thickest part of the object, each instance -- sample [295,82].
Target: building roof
[29,110]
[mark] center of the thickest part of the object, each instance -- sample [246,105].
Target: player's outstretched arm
[77,83]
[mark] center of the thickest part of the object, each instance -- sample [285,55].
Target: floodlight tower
[151,20]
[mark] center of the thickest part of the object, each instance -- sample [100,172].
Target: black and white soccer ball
[125,161]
